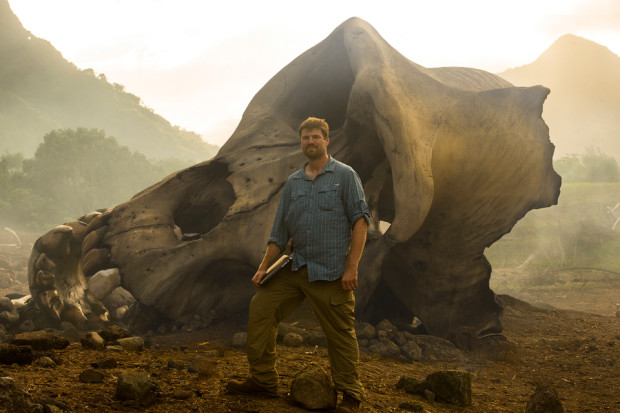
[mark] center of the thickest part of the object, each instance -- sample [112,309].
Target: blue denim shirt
[319,215]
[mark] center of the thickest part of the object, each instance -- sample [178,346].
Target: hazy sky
[198,63]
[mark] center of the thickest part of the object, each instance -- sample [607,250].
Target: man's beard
[318,153]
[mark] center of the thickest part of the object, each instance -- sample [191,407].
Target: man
[324,212]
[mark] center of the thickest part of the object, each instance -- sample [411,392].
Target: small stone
[293,340]
[411,385]
[44,362]
[104,363]
[135,344]
[545,399]
[410,406]
[93,341]
[182,394]
[136,387]
[239,340]
[113,333]
[91,376]
[429,395]
[203,366]
[27,325]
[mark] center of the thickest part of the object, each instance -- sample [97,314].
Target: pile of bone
[386,340]
[95,292]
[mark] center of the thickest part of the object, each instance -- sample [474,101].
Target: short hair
[314,123]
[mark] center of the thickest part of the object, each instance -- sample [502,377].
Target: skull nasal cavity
[208,195]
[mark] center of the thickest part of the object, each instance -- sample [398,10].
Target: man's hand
[349,279]
[270,256]
[257,277]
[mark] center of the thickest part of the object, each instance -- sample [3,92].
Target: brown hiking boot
[248,387]
[349,404]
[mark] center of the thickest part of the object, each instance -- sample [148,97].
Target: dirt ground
[571,341]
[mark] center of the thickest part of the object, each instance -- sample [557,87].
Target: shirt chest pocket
[329,197]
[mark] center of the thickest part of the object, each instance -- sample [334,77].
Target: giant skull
[450,158]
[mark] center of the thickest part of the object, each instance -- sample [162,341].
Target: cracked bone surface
[451,158]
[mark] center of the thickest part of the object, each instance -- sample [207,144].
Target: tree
[74,172]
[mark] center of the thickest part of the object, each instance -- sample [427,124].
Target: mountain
[41,91]
[584,105]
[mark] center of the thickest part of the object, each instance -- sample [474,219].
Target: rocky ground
[575,352]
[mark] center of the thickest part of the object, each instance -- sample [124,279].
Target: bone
[104,282]
[95,260]
[451,158]
[56,243]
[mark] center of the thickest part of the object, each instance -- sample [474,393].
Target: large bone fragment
[451,158]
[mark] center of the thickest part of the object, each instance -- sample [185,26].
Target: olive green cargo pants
[334,308]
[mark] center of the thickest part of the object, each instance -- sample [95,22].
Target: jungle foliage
[73,172]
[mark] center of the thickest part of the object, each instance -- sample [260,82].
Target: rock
[412,351]
[44,362]
[40,340]
[385,325]
[103,282]
[118,298]
[316,338]
[451,386]
[135,344]
[387,348]
[312,389]
[398,337]
[429,395]
[437,349]
[545,399]
[136,387]
[239,340]
[495,346]
[104,363]
[293,340]
[14,399]
[70,332]
[365,331]
[8,313]
[415,407]
[12,354]
[464,338]
[284,329]
[411,385]
[27,325]
[92,340]
[182,394]
[203,366]
[91,376]
[113,333]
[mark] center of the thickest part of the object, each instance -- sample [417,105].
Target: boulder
[451,386]
[545,399]
[91,376]
[312,389]
[12,354]
[14,399]
[136,387]
[103,282]
[93,341]
[40,340]
[135,344]
[293,340]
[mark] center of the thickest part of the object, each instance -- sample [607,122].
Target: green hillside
[41,91]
